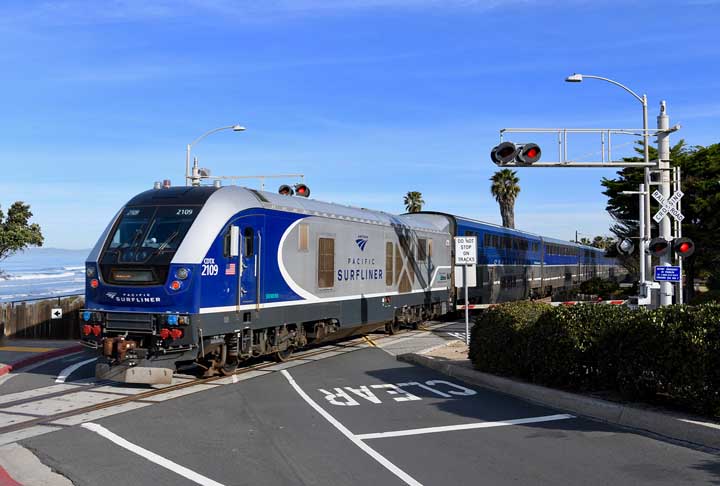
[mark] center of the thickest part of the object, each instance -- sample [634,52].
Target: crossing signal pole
[509,154]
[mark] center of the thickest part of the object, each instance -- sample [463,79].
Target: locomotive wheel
[284,355]
[392,327]
[229,368]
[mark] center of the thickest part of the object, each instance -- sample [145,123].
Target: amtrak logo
[111,294]
[361,241]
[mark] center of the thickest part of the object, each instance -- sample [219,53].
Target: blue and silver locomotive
[218,275]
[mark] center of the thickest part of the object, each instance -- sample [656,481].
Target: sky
[368,99]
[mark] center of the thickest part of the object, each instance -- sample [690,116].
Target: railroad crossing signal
[507,153]
[658,247]
[668,206]
[683,247]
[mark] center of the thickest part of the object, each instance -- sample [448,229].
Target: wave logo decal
[361,242]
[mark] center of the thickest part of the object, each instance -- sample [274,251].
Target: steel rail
[45,420]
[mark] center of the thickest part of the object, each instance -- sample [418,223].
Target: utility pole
[663,146]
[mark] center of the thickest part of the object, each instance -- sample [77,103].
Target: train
[213,276]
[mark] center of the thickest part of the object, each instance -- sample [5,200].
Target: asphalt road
[326,422]
[46,373]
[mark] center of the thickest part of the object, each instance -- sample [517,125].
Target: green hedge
[669,352]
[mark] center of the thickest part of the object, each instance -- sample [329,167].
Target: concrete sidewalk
[451,360]
[16,354]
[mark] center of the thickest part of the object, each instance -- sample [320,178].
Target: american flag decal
[230,269]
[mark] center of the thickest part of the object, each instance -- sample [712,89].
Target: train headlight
[182,273]
[90,271]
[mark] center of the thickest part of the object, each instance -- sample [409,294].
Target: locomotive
[215,276]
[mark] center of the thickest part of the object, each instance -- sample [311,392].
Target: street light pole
[193,178]
[647,234]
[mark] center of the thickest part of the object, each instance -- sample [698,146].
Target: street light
[578,78]
[195,180]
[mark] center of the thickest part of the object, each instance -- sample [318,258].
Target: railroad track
[139,397]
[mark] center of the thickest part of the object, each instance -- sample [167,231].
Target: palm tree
[505,188]
[413,202]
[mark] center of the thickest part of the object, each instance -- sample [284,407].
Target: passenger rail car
[218,275]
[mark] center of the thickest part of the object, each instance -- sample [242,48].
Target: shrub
[672,352]
[498,342]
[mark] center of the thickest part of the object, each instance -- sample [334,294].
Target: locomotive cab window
[326,263]
[248,242]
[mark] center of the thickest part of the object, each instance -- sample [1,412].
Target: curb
[7,368]
[672,426]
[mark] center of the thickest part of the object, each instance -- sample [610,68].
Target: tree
[700,168]
[413,202]
[15,232]
[505,189]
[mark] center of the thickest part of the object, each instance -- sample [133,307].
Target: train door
[250,252]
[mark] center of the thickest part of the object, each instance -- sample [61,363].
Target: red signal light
[175,285]
[529,153]
[683,247]
[503,153]
[658,247]
[176,333]
[302,190]
[94,283]
[164,333]
[97,330]
[87,329]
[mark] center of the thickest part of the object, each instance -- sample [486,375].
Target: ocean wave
[81,267]
[40,276]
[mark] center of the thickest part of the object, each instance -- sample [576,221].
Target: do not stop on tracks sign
[465,250]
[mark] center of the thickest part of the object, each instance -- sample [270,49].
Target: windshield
[146,231]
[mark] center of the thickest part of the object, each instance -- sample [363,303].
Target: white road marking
[64,374]
[6,377]
[406,478]
[450,428]
[150,456]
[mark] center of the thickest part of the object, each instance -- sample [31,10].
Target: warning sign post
[465,255]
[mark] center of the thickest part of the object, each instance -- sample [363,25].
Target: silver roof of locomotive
[230,200]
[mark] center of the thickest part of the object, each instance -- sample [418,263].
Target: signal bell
[683,247]
[658,247]
[507,153]
[625,246]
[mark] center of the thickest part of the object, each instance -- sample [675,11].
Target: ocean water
[42,272]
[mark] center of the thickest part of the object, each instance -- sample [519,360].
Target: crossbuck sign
[668,206]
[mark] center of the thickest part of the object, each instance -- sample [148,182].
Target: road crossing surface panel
[264,431]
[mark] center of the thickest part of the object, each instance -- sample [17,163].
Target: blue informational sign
[667,274]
